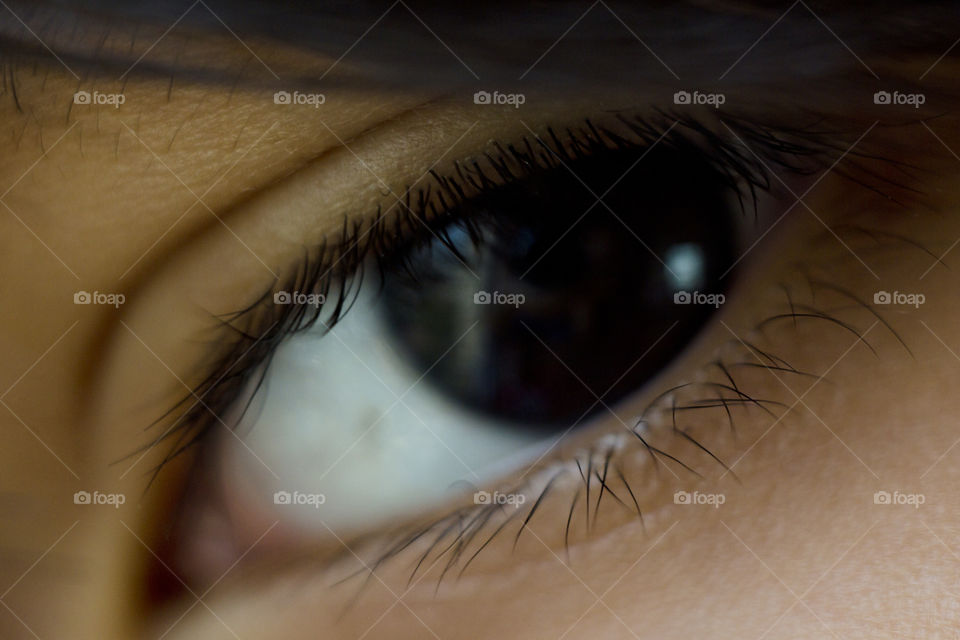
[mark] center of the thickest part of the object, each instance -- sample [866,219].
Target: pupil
[569,303]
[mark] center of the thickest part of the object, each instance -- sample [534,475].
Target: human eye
[409,326]
[483,317]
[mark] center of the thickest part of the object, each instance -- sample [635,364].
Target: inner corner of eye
[532,309]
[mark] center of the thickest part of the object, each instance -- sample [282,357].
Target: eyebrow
[407,43]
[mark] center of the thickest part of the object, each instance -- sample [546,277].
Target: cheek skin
[799,548]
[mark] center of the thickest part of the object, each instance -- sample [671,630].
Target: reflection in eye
[526,302]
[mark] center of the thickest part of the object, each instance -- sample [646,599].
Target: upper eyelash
[338,266]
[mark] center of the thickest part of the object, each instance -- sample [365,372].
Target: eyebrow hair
[407,43]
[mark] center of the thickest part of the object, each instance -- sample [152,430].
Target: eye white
[356,436]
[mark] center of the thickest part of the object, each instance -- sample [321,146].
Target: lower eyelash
[598,473]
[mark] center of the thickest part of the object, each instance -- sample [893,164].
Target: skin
[798,549]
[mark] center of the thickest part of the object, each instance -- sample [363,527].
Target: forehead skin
[187,199]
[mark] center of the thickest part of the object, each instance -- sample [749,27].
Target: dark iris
[569,304]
